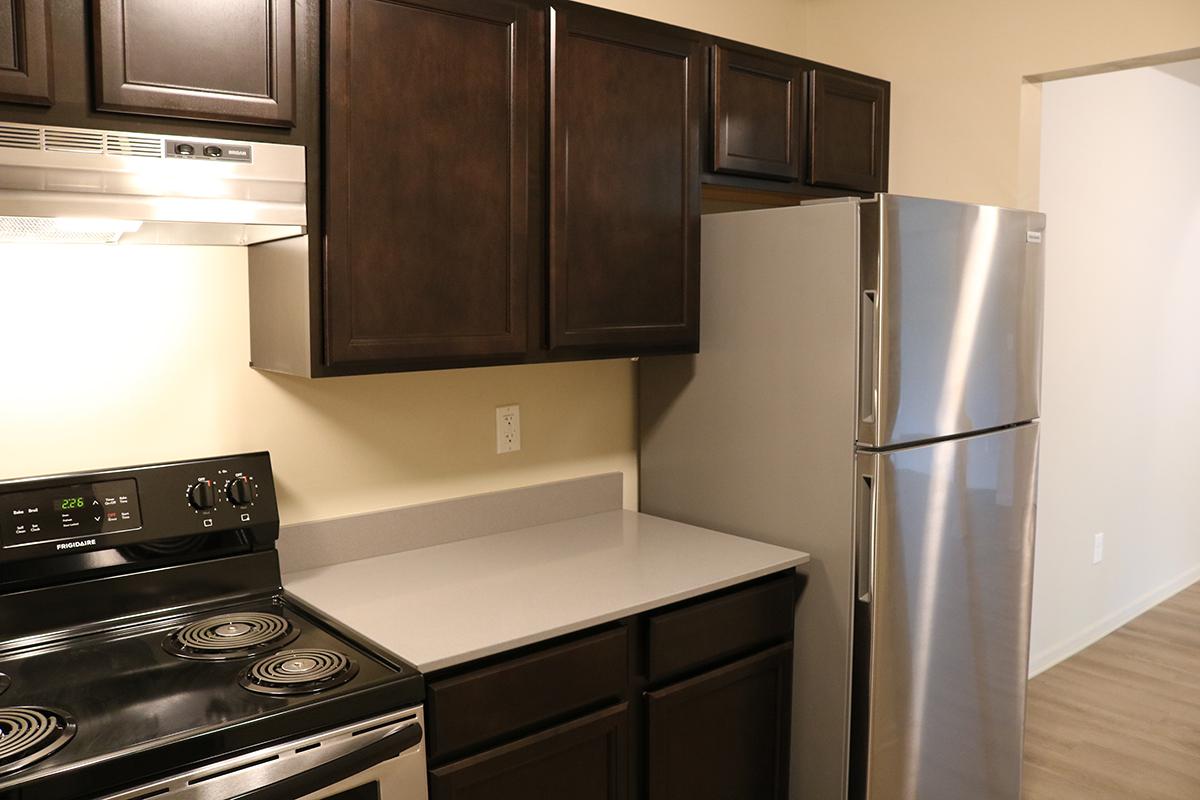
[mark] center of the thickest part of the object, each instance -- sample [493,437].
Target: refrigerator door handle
[864,539]
[868,397]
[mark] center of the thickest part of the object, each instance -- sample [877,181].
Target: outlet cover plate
[508,429]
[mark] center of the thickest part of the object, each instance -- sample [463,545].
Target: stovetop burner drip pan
[29,733]
[229,636]
[298,672]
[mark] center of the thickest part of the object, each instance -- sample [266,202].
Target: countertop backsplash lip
[308,545]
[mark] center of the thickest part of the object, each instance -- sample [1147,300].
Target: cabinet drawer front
[756,108]
[723,734]
[585,759]
[848,132]
[513,696]
[710,631]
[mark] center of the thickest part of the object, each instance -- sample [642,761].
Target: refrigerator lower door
[951,319]
[944,570]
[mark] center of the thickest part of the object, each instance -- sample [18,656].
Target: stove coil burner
[5,682]
[29,734]
[230,636]
[298,672]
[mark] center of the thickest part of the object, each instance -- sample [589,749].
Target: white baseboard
[1040,662]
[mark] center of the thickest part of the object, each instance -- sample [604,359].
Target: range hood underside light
[72,230]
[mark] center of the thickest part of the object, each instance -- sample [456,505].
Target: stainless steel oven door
[377,759]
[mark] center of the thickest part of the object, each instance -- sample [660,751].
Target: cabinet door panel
[723,734]
[428,176]
[226,60]
[625,212]
[848,132]
[25,52]
[582,760]
[756,114]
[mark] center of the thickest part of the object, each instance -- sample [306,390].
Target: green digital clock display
[69,503]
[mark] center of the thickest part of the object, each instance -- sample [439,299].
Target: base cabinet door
[223,60]
[724,733]
[25,52]
[585,759]
[431,159]
[848,131]
[626,105]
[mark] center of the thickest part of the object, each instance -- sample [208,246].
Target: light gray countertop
[444,605]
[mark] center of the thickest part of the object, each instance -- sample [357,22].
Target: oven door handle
[339,769]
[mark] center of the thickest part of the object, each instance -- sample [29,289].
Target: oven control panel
[88,511]
[74,511]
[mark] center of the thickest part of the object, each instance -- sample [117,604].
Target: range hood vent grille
[20,137]
[119,144]
[74,141]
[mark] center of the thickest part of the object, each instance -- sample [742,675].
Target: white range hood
[82,185]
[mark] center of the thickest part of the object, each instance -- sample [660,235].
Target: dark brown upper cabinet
[757,102]
[626,104]
[848,132]
[26,52]
[222,60]
[429,169]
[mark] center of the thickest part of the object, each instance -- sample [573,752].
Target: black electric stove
[143,631]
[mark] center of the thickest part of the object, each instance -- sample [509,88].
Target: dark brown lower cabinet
[724,733]
[585,759]
[691,701]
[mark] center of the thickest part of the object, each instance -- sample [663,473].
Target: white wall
[1120,184]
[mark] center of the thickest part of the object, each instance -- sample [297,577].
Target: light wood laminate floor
[1121,720]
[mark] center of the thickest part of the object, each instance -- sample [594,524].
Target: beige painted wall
[123,355]
[956,68]
[774,24]
[1122,352]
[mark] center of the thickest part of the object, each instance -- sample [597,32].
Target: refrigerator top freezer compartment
[950,319]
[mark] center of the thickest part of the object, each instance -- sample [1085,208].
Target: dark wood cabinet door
[848,132]
[25,52]
[723,734]
[585,759]
[429,173]
[757,103]
[226,60]
[626,104]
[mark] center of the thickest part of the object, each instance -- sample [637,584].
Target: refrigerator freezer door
[951,319]
[939,688]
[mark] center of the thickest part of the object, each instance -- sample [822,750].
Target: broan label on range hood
[80,185]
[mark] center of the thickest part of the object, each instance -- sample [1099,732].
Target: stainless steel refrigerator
[867,390]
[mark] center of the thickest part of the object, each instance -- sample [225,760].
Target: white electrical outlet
[1098,548]
[508,429]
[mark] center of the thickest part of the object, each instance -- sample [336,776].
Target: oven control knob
[240,491]
[201,496]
